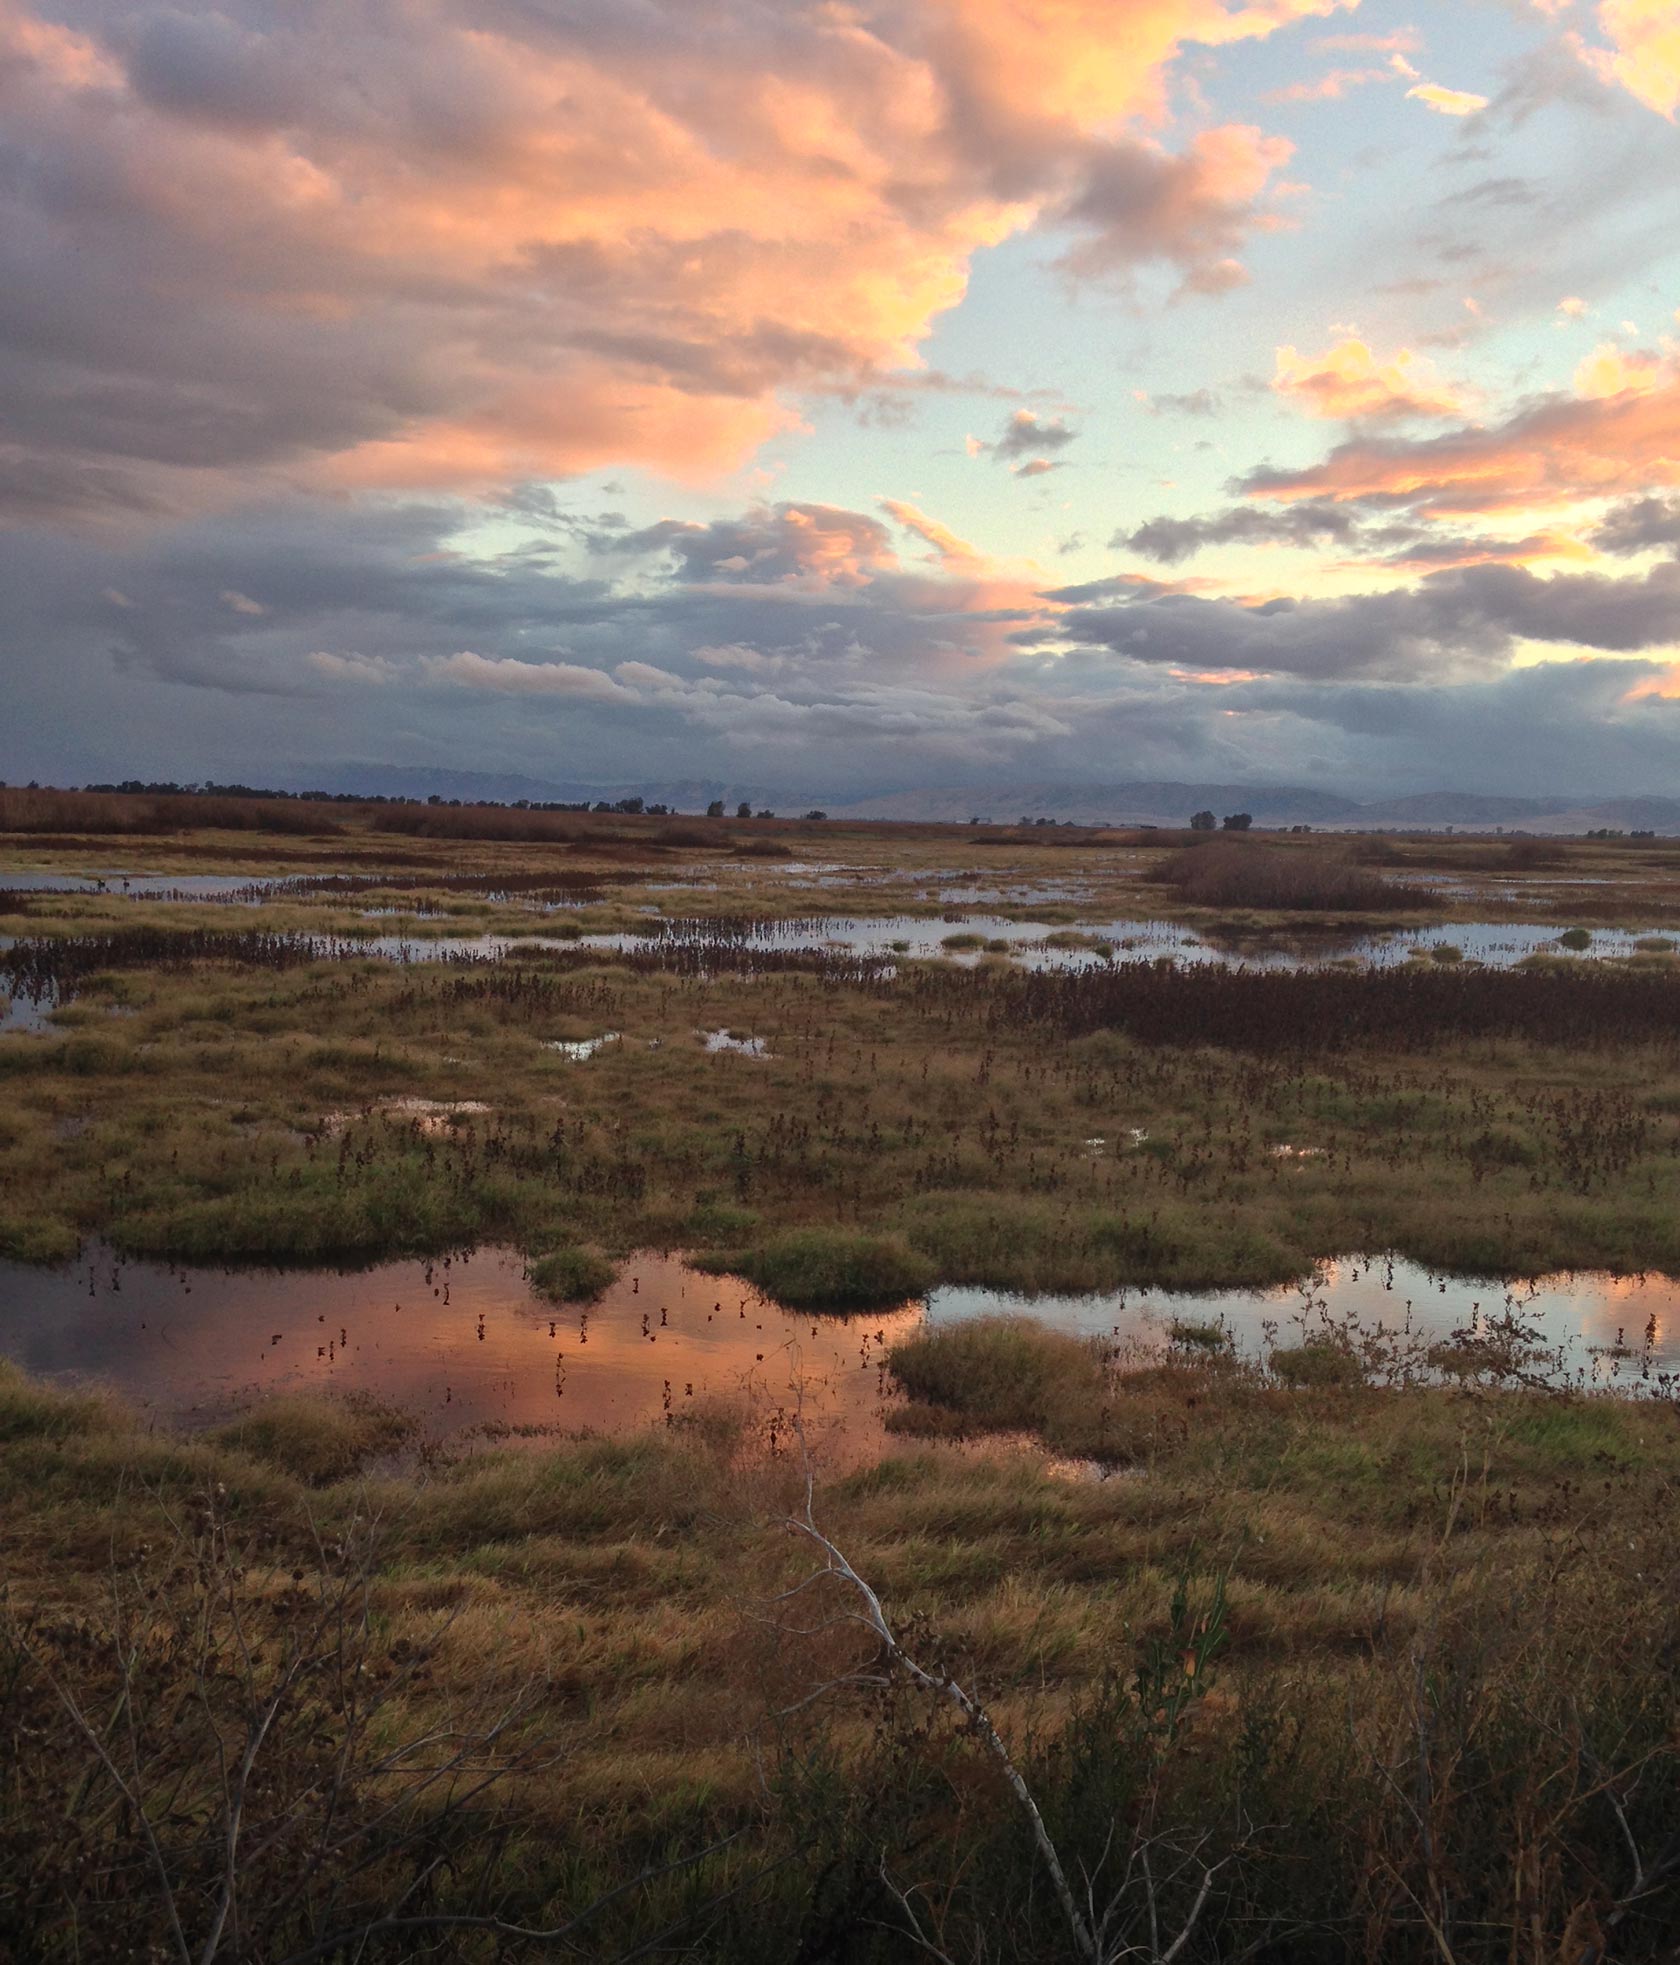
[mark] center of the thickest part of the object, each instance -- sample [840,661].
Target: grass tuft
[314,1439]
[837,1269]
[574,1275]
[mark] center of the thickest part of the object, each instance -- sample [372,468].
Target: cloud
[1329,87]
[1447,102]
[1168,540]
[265,246]
[1613,371]
[948,549]
[1620,437]
[1403,41]
[822,544]
[1192,402]
[384,640]
[1644,51]
[1451,625]
[1638,525]
[1026,435]
[1139,203]
[508,676]
[373,670]
[1348,381]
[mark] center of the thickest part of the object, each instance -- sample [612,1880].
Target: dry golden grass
[1515,1544]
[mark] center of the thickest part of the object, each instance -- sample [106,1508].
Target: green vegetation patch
[836,1269]
[314,1439]
[573,1275]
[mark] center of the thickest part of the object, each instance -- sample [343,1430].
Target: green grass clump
[573,1275]
[31,1410]
[36,1238]
[837,1269]
[1316,1363]
[1575,938]
[964,941]
[1199,1336]
[1001,1374]
[314,1439]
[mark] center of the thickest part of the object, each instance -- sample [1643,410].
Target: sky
[852,394]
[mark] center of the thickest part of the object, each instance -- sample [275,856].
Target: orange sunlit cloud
[1536,549]
[1662,686]
[1619,434]
[1349,381]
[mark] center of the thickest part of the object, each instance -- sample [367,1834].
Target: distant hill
[1170,803]
[1157,802]
[1144,803]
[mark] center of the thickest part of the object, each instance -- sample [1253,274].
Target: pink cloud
[498,244]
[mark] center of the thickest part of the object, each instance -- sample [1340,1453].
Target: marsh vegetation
[1298,1656]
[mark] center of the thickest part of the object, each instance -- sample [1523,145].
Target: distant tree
[814,814]
[1203,821]
[1238,821]
[659,811]
[629,805]
[715,809]
[743,810]
[765,813]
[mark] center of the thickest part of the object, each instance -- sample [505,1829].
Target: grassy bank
[1390,1674]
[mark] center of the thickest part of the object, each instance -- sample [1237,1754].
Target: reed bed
[1225,874]
[48,811]
[1415,1007]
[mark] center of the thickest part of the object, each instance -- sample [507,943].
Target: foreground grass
[1433,1637]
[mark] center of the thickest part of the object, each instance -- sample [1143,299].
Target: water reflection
[1600,1329]
[1092,944]
[463,1344]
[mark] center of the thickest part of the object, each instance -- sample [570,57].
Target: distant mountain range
[1161,802]
[1170,803]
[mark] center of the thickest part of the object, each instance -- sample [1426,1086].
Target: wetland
[1219,1296]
